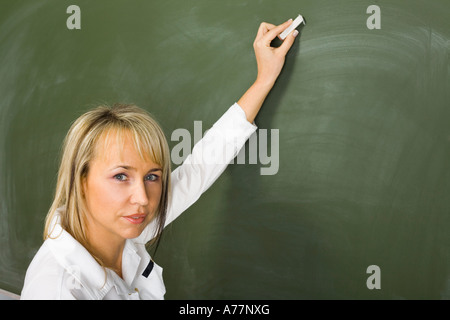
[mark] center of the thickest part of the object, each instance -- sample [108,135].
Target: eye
[121,177]
[151,177]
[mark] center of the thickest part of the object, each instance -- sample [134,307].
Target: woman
[115,191]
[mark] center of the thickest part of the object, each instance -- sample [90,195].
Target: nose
[139,195]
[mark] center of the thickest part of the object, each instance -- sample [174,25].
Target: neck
[108,250]
[109,258]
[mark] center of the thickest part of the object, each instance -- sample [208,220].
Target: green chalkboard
[359,119]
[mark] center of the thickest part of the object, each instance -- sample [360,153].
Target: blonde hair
[79,150]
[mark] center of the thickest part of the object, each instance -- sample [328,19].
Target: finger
[272,33]
[288,42]
[264,27]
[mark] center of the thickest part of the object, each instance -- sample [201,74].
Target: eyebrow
[134,169]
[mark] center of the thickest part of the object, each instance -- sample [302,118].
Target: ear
[83,187]
[84,184]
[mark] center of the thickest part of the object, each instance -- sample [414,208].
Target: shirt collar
[77,261]
[130,262]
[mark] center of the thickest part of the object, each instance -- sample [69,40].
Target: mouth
[136,218]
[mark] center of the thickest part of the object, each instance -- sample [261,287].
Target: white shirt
[64,269]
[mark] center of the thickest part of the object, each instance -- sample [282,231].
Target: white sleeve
[208,160]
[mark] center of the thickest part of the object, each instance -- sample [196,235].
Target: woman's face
[122,190]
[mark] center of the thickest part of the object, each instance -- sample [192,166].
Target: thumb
[288,42]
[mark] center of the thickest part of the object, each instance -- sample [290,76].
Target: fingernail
[295,33]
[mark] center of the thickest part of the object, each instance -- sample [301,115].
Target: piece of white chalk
[293,25]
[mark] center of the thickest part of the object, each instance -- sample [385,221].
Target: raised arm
[222,142]
[270,61]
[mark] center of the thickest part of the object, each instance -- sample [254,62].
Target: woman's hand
[270,60]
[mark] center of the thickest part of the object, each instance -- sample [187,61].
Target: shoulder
[45,278]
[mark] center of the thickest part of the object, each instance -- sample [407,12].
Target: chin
[132,233]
